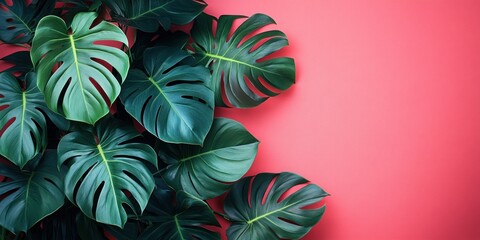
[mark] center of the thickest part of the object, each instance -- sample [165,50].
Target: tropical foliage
[107,125]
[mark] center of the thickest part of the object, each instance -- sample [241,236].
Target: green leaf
[72,7]
[164,38]
[102,165]
[148,15]
[236,61]
[23,127]
[171,101]
[71,90]
[206,172]
[184,219]
[29,196]
[257,212]
[20,19]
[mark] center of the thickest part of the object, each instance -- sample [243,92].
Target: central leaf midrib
[150,11]
[269,213]
[76,62]
[223,58]
[177,224]
[168,101]
[110,175]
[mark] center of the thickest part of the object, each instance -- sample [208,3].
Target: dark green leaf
[206,172]
[145,40]
[61,225]
[18,21]
[71,90]
[148,15]
[177,217]
[102,165]
[237,61]
[88,229]
[172,102]
[70,8]
[30,195]
[23,125]
[263,214]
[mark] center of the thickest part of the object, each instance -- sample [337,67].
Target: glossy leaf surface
[259,212]
[148,15]
[31,195]
[102,166]
[77,88]
[237,61]
[206,172]
[171,101]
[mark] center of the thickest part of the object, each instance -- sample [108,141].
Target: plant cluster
[105,138]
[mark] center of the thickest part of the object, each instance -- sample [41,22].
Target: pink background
[385,114]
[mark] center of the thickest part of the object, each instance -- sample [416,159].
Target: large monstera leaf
[77,88]
[148,15]
[239,71]
[171,101]
[18,20]
[257,212]
[104,168]
[23,125]
[206,172]
[30,195]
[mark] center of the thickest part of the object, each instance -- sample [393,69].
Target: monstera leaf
[19,19]
[148,15]
[172,102]
[23,125]
[29,196]
[206,172]
[184,219]
[77,88]
[103,166]
[236,61]
[257,212]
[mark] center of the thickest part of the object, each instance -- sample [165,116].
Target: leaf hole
[3,107]
[62,96]
[269,188]
[80,181]
[101,91]
[10,2]
[133,177]
[96,198]
[11,27]
[52,182]
[144,107]
[252,87]
[34,140]
[177,82]
[249,195]
[288,221]
[6,194]
[9,20]
[5,127]
[103,63]
[291,191]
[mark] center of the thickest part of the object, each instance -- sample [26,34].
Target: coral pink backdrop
[385,114]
